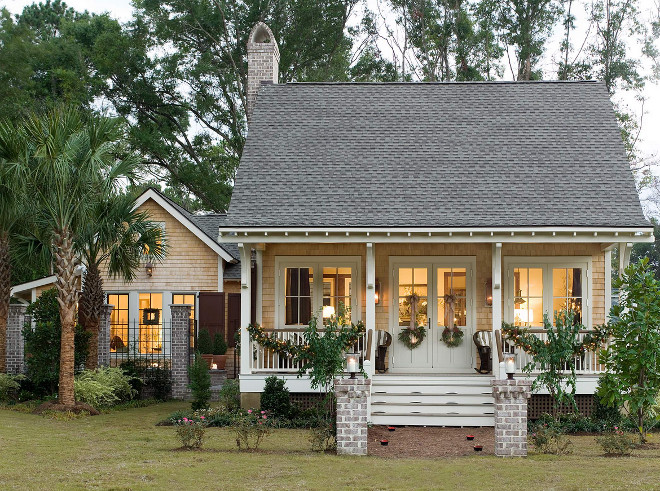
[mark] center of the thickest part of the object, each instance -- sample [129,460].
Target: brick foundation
[180,350]
[352,415]
[104,337]
[511,416]
[15,343]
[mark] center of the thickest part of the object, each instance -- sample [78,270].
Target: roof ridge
[466,82]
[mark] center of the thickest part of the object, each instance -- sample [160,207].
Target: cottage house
[445,205]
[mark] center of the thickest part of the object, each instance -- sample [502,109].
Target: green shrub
[42,344]
[275,397]
[230,395]
[200,383]
[103,387]
[190,433]
[251,428]
[9,388]
[616,442]
[204,343]
[160,381]
[219,344]
[549,440]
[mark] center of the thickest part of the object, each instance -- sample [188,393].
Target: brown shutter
[233,317]
[212,312]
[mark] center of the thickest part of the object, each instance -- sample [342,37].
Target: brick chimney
[263,63]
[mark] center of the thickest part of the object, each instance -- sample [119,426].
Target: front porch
[472,286]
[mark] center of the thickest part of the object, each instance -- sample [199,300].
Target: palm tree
[115,239]
[13,214]
[73,163]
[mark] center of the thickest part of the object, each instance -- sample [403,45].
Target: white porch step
[432,401]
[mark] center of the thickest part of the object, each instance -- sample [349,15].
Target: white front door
[442,290]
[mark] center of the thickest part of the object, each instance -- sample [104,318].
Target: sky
[649,144]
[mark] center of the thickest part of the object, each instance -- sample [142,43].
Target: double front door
[438,294]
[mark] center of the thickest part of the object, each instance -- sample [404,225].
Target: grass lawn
[124,450]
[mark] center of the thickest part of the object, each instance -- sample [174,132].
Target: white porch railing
[587,364]
[267,360]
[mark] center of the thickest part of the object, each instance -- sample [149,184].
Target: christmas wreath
[452,337]
[412,337]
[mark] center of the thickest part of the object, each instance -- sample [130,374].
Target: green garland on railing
[262,337]
[533,345]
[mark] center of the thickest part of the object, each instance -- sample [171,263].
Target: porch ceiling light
[510,364]
[352,365]
[149,268]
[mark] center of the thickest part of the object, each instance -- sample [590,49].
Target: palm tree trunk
[89,311]
[5,291]
[67,297]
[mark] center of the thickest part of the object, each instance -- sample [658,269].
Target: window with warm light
[452,297]
[118,322]
[528,297]
[545,288]
[413,296]
[310,286]
[151,322]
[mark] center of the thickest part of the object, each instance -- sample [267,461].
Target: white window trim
[317,262]
[547,263]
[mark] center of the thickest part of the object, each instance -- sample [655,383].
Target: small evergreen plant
[200,383]
[219,344]
[204,343]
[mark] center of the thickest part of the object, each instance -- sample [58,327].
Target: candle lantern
[510,364]
[352,364]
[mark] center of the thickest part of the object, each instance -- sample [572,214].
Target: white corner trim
[183,220]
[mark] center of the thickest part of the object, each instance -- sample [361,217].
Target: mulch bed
[430,441]
[55,406]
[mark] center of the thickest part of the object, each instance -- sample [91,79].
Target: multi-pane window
[187,299]
[151,322]
[337,290]
[413,296]
[567,291]
[119,322]
[528,297]
[298,292]
[315,286]
[452,297]
[546,288]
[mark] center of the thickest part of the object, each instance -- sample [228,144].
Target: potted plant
[219,351]
[205,346]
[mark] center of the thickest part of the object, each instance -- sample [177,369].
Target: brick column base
[180,350]
[352,415]
[511,416]
[103,358]
[15,361]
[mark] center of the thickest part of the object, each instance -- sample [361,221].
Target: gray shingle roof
[434,155]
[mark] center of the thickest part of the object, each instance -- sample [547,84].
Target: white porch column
[370,318]
[259,286]
[246,297]
[497,303]
[608,283]
[625,248]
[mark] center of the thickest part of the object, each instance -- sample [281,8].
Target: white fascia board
[32,284]
[183,220]
[489,234]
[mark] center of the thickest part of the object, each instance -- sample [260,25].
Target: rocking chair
[383,341]
[482,340]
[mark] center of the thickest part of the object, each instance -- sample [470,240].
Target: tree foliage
[632,380]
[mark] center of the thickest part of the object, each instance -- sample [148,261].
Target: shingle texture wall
[434,155]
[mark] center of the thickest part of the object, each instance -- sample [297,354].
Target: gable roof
[434,155]
[205,227]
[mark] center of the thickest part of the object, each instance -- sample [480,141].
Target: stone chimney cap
[261,34]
